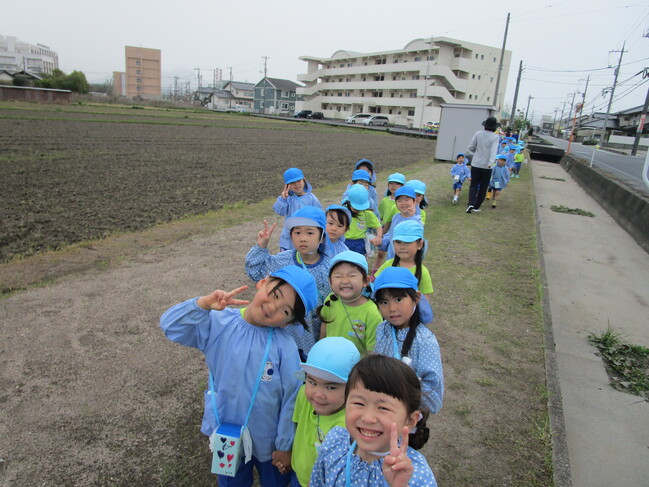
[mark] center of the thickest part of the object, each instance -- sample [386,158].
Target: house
[275,96]
[243,94]
[25,78]
[629,119]
[6,78]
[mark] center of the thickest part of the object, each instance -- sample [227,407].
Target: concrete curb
[560,461]
[629,209]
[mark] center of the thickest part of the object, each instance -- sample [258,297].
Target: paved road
[625,168]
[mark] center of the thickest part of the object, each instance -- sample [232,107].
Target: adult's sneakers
[476,210]
[469,209]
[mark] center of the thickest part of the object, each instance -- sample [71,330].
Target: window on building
[380,77]
[138,62]
[481,56]
[138,71]
[337,109]
[348,79]
[292,95]
[261,92]
[417,59]
[415,77]
[261,104]
[362,94]
[390,111]
[347,93]
[479,76]
[476,55]
[394,78]
[340,80]
[411,113]
[377,94]
[139,88]
[139,80]
[430,58]
[473,76]
[342,65]
[395,61]
[494,59]
[413,95]
[470,97]
[492,79]
[364,78]
[349,65]
[475,97]
[488,98]
[398,113]
[391,95]
[284,106]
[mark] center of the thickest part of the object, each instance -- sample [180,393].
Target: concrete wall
[39,95]
[622,140]
[628,208]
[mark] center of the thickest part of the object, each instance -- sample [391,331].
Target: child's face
[362,182]
[365,168]
[305,239]
[297,187]
[418,198]
[271,307]
[393,186]
[460,160]
[335,229]
[325,397]
[406,205]
[369,417]
[501,162]
[347,281]
[407,250]
[397,310]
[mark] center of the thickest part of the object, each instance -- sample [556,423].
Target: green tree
[75,81]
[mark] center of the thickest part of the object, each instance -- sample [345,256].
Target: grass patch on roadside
[571,211]
[627,365]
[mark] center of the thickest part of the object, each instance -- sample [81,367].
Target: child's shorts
[356,244]
[517,165]
[457,185]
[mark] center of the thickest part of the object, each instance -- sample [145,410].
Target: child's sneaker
[455,200]
[488,195]
[493,205]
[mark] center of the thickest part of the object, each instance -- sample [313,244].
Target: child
[362,177]
[363,220]
[320,403]
[347,312]
[387,206]
[518,160]
[510,159]
[403,336]
[266,362]
[499,177]
[307,232]
[406,200]
[420,197]
[296,194]
[383,402]
[338,221]
[460,174]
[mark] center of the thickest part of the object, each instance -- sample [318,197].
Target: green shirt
[361,223]
[311,431]
[387,209]
[425,286]
[355,323]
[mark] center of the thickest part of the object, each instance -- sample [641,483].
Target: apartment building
[408,85]
[21,56]
[143,76]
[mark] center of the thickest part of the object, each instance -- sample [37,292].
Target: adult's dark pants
[479,183]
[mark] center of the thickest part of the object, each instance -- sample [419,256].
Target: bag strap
[262,367]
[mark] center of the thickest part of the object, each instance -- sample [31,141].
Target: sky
[560,42]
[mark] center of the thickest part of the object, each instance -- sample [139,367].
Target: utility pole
[610,101]
[572,105]
[518,83]
[562,110]
[638,133]
[500,66]
[230,68]
[265,58]
[554,122]
[583,103]
[527,110]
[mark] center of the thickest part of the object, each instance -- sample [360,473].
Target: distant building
[243,94]
[408,85]
[21,56]
[143,76]
[275,96]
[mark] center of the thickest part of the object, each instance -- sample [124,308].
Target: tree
[75,81]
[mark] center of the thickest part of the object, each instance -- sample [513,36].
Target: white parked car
[380,120]
[357,118]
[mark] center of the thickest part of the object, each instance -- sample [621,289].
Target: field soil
[92,393]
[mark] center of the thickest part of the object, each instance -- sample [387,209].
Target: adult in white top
[484,146]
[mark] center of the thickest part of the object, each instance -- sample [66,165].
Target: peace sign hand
[263,237]
[397,467]
[219,299]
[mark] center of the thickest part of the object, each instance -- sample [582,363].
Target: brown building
[143,76]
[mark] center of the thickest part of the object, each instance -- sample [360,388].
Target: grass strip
[627,365]
[571,211]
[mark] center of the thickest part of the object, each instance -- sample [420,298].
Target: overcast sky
[560,42]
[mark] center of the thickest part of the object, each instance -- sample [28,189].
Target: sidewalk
[595,276]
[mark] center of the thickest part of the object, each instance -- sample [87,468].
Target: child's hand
[218,300]
[282,461]
[263,237]
[377,241]
[284,194]
[397,467]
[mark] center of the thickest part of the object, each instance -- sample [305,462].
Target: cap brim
[300,221]
[322,374]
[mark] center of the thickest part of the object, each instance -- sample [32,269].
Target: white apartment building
[408,85]
[20,56]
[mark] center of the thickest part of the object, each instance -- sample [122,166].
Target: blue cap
[512,147]
[303,283]
[501,156]
[360,174]
[395,277]
[405,191]
[342,208]
[307,216]
[417,185]
[332,359]
[366,161]
[408,231]
[293,174]
[358,197]
[460,154]
[351,257]
[397,177]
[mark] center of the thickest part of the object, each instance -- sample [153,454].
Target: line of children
[313,261]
